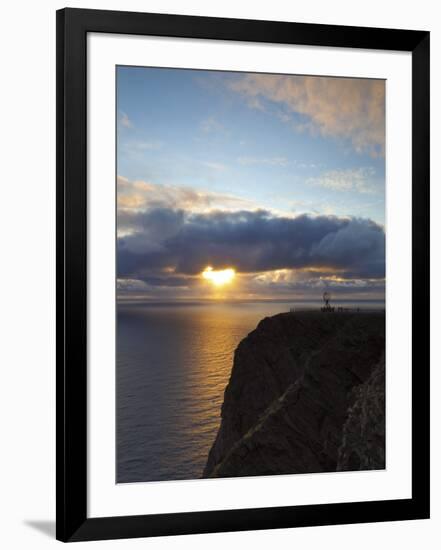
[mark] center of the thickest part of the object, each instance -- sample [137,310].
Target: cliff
[306,394]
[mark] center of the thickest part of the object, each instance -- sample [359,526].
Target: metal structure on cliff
[327,308]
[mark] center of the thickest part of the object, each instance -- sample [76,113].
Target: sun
[219,277]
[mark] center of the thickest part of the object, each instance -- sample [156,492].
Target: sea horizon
[211,301]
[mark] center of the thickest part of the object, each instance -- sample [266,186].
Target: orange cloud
[143,195]
[348,108]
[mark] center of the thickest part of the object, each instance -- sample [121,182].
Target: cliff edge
[306,394]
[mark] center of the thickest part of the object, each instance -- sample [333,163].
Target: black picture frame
[71,428]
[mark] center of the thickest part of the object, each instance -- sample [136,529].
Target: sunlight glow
[219,277]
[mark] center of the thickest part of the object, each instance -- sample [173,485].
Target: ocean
[173,363]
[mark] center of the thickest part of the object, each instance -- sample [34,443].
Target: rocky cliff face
[364,430]
[306,394]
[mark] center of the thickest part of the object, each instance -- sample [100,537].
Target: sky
[280,178]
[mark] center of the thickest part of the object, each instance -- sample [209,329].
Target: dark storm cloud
[172,241]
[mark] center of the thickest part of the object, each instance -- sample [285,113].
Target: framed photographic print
[242,274]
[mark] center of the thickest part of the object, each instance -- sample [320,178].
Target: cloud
[179,244]
[142,195]
[216,166]
[347,108]
[139,146]
[269,161]
[313,282]
[356,179]
[211,124]
[125,121]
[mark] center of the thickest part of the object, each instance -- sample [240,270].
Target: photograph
[250,274]
[218,306]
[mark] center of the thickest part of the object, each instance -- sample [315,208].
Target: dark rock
[363,441]
[291,390]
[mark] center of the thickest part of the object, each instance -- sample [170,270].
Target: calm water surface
[173,363]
